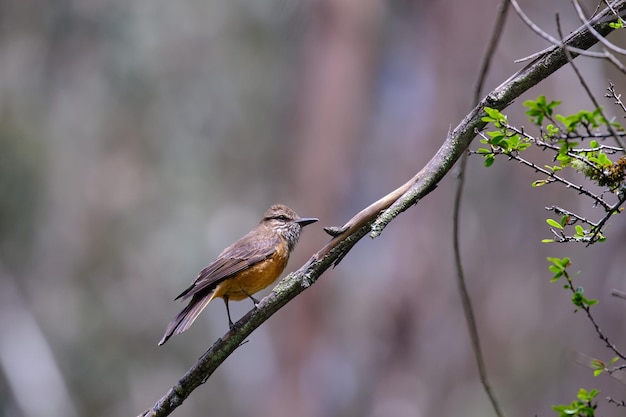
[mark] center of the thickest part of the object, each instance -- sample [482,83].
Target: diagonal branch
[370,220]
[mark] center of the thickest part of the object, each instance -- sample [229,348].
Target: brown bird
[244,268]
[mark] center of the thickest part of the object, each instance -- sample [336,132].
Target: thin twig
[615,12]
[545,35]
[605,54]
[581,79]
[609,45]
[614,95]
[562,212]
[460,274]
[587,311]
[617,403]
[616,369]
[616,62]
[618,293]
[614,210]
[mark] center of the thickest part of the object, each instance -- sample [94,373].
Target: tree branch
[370,220]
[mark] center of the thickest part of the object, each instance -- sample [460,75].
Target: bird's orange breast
[255,278]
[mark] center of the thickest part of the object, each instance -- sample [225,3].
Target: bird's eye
[282,218]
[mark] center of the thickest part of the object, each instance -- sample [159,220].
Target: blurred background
[138,139]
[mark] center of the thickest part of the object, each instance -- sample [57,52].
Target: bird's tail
[185,318]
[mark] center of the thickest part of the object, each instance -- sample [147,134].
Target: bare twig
[545,35]
[605,54]
[581,79]
[616,96]
[609,45]
[601,147]
[616,62]
[614,210]
[617,403]
[460,274]
[618,293]
[615,12]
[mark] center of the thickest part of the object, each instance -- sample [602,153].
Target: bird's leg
[230,322]
[254,300]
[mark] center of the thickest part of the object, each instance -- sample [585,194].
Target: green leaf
[530,103]
[497,139]
[604,160]
[547,240]
[555,269]
[554,224]
[552,130]
[556,277]
[597,364]
[554,168]
[493,116]
[585,395]
[577,299]
[554,261]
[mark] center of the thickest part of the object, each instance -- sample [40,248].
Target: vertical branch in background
[465,298]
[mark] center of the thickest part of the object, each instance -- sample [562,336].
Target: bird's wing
[241,255]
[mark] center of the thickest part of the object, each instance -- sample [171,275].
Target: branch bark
[374,218]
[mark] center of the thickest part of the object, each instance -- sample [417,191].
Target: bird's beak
[306,220]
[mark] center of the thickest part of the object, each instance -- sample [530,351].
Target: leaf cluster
[559,268]
[502,140]
[577,142]
[584,406]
